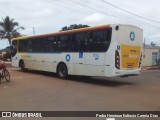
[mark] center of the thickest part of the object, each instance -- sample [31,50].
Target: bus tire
[62,71]
[22,66]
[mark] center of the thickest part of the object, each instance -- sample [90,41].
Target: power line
[93,8]
[147,26]
[116,14]
[67,7]
[111,12]
[82,5]
[130,12]
[3,12]
[88,4]
[120,14]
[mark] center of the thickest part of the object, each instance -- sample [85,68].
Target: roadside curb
[151,68]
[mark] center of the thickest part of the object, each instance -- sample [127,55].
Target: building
[151,55]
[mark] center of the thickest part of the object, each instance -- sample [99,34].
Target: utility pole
[144,45]
[33,31]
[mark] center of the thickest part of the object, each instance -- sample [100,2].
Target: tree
[74,26]
[153,44]
[7,56]
[9,29]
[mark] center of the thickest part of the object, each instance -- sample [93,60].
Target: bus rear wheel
[62,71]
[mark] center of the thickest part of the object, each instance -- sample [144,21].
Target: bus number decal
[68,57]
[96,56]
[118,47]
[80,54]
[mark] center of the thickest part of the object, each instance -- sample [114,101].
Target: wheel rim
[62,71]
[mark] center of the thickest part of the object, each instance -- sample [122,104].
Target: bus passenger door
[80,66]
[50,62]
[34,64]
[96,62]
[30,62]
[80,45]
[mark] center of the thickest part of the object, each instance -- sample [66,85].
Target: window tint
[98,42]
[31,47]
[107,37]
[14,48]
[63,43]
[51,44]
[40,44]
[22,46]
[81,42]
[93,41]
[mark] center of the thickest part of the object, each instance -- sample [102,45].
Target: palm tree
[9,29]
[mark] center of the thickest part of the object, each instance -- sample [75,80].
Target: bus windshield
[14,48]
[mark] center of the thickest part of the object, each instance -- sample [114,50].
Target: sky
[48,16]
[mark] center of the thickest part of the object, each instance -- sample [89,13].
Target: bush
[7,56]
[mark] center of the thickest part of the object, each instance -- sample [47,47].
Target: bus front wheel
[22,66]
[62,71]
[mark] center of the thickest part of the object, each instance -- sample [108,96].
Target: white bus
[107,50]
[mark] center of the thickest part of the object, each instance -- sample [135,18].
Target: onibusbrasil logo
[132,36]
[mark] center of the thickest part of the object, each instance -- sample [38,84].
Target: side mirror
[11,47]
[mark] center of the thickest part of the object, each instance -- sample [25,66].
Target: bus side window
[30,45]
[14,50]
[41,44]
[100,41]
[51,44]
[107,37]
[64,44]
[77,42]
[97,45]
[22,46]
[74,43]
[86,42]
[81,42]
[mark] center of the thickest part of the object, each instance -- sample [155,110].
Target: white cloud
[94,18]
[3,44]
[43,13]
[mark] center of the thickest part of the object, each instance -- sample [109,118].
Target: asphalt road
[35,90]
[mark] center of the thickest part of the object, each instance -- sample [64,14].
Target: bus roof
[65,32]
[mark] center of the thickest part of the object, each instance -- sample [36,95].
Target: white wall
[147,56]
